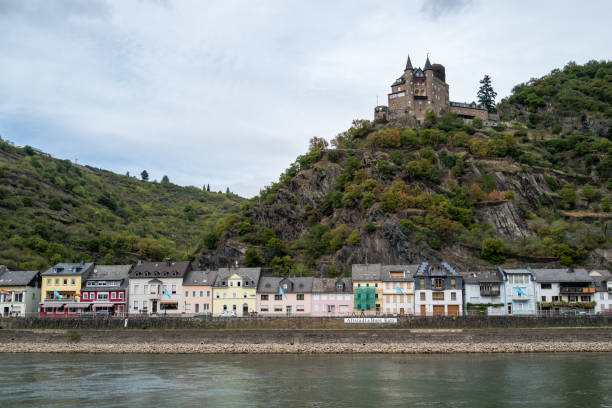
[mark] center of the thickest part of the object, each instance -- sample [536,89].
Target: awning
[77,305]
[54,304]
[103,304]
[169,302]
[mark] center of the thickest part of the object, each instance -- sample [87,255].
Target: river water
[461,380]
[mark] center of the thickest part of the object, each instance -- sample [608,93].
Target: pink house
[332,297]
[295,301]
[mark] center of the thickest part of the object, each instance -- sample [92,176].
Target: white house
[603,290]
[485,292]
[559,289]
[19,293]
[437,290]
[157,287]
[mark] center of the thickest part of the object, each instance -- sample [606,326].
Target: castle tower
[429,86]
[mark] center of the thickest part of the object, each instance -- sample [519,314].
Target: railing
[490,293]
[576,290]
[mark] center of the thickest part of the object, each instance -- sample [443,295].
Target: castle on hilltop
[419,91]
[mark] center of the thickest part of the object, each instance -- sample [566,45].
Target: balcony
[573,290]
[491,293]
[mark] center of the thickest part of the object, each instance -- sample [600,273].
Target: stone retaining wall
[413,322]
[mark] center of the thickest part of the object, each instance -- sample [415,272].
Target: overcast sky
[228,93]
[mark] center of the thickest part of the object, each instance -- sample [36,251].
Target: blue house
[519,291]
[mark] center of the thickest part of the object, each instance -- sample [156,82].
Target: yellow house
[235,291]
[61,288]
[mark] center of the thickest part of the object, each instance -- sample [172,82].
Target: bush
[253,258]
[26,201]
[354,238]
[384,138]
[493,250]
[509,195]
[568,196]
[55,204]
[385,167]
[369,228]
[556,128]
[477,123]
[211,240]
[333,156]
[409,138]
[499,128]
[552,182]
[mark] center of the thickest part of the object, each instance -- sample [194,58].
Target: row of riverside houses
[174,289]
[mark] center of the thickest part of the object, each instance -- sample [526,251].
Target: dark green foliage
[397,157]
[385,167]
[107,200]
[568,196]
[430,119]
[26,201]
[552,182]
[486,95]
[165,180]
[253,258]
[331,201]
[55,204]
[144,175]
[369,228]
[211,240]
[493,250]
[333,156]
[477,123]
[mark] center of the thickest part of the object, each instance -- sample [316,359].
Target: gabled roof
[400,80]
[427,65]
[409,271]
[161,269]
[249,274]
[63,269]
[494,276]
[366,272]
[436,269]
[200,278]
[566,275]
[110,272]
[418,73]
[408,63]
[18,278]
[328,285]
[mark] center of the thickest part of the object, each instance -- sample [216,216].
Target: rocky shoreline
[330,348]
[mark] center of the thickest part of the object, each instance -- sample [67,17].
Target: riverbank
[307,341]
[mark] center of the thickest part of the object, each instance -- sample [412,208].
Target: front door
[197,308]
[509,308]
[119,310]
[6,312]
[288,310]
[154,307]
[245,309]
[438,310]
[423,310]
[401,311]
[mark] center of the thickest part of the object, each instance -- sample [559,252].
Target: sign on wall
[370,320]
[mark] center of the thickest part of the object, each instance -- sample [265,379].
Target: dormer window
[238,283]
[223,283]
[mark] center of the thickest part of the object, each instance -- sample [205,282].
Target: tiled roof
[427,65]
[493,276]
[328,285]
[562,275]
[110,272]
[436,269]
[408,63]
[200,278]
[162,269]
[17,278]
[70,269]
[251,274]
[271,284]
[409,271]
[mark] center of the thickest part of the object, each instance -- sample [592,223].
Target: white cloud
[228,93]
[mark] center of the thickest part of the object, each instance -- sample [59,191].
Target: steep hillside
[52,210]
[519,192]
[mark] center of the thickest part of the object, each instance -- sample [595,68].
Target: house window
[208,293]
[347,297]
[238,283]
[113,295]
[187,307]
[422,283]
[546,285]
[193,293]
[224,308]
[438,295]
[173,289]
[264,308]
[201,293]
[224,295]
[135,305]
[264,297]
[102,295]
[438,283]
[234,308]
[453,283]
[234,295]
[585,298]
[278,297]
[206,306]
[555,298]
[186,293]
[453,295]
[324,297]
[231,283]
[136,289]
[244,295]
[48,281]
[65,281]
[543,298]
[316,296]
[120,295]
[146,289]
[316,308]
[73,281]
[422,296]
[299,308]
[56,281]
[299,296]
[278,308]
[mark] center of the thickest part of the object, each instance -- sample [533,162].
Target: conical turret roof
[408,63]
[427,65]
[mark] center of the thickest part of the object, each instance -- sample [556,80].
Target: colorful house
[520,291]
[19,293]
[235,290]
[559,289]
[332,297]
[438,290]
[484,292]
[398,289]
[106,290]
[157,287]
[278,296]
[198,288]
[61,289]
[367,289]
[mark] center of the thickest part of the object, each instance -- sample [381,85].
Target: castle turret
[408,64]
[427,65]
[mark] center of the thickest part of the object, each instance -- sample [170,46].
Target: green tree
[211,240]
[568,196]
[486,95]
[144,175]
[493,250]
[165,179]
[253,258]
[55,204]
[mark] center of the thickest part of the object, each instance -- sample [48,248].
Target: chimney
[571,270]
[168,262]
